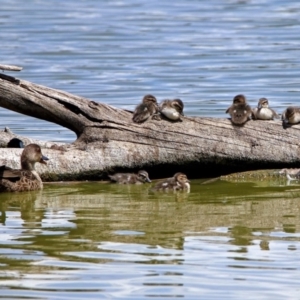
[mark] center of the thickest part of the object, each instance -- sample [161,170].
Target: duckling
[146,109]
[239,111]
[263,111]
[172,109]
[26,178]
[130,178]
[179,182]
[291,115]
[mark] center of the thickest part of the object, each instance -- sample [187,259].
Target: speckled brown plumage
[130,178]
[179,182]
[26,178]
[146,109]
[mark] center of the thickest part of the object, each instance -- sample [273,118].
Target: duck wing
[9,173]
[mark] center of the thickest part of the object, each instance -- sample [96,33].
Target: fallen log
[108,140]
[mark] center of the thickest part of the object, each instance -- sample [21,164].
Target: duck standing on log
[263,111]
[239,111]
[172,109]
[291,115]
[148,108]
[26,178]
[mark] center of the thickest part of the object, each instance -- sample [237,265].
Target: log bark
[108,140]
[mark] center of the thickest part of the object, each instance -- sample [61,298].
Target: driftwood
[10,68]
[108,140]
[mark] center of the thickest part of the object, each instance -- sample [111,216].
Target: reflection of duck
[291,174]
[291,115]
[176,183]
[130,178]
[146,109]
[26,178]
[263,111]
[172,109]
[239,111]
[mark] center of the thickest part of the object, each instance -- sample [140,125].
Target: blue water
[101,241]
[204,52]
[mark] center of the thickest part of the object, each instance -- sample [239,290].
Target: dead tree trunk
[108,140]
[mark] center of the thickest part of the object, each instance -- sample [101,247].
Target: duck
[146,109]
[291,115]
[179,182]
[130,178]
[26,178]
[172,109]
[239,111]
[263,111]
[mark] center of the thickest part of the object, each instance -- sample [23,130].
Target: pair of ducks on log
[27,178]
[241,112]
[171,109]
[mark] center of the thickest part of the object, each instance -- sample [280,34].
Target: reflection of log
[175,215]
[107,139]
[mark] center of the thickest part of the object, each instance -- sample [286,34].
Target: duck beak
[148,180]
[43,159]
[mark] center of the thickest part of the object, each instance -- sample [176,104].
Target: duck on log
[109,141]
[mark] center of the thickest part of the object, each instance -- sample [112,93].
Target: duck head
[32,154]
[178,105]
[143,176]
[239,99]
[150,100]
[263,103]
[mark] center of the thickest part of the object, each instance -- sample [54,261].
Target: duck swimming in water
[26,178]
[130,178]
[179,182]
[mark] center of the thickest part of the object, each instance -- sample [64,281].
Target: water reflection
[113,239]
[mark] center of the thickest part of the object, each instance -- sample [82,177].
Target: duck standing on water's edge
[146,109]
[179,182]
[26,178]
[130,178]
[239,111]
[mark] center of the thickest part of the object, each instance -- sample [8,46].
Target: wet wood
[108,140]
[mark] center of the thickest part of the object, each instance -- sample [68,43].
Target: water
[91,240]
[116,52]
[102,241]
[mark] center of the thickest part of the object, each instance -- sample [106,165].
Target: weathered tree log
[108,140]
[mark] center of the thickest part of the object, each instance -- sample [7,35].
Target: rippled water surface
[204,52]
[99,240]
[103,241]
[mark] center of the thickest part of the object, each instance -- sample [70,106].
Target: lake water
[221,241]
